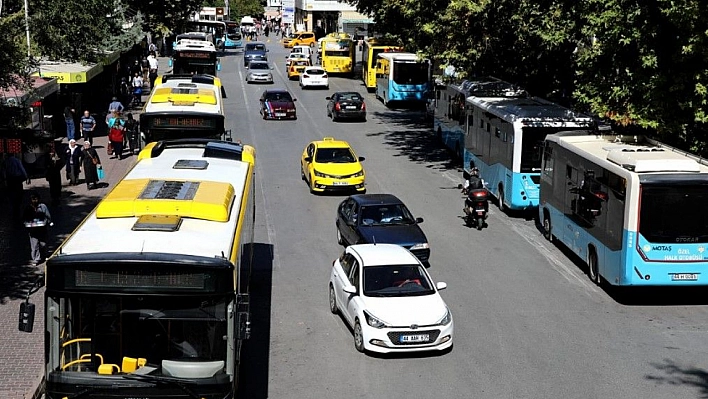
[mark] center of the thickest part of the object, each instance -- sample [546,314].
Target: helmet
[114,99]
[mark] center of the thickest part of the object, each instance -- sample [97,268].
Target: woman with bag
[91,164]
[116,127]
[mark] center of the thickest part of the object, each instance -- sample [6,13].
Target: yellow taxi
[332,165]
[297,66]
[289,38]
[301,39]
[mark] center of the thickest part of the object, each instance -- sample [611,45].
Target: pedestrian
[145,65]
[137,88]
[152,48]
[266,30]
[37,218]
[73,162]
[116,127]
[91,163]
[15,176]
[132,133]
[69,119]
[53,176]
[88,125]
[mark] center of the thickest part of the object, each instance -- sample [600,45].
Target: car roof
[347,92]
[383,254]
[263,43]
[324,143]
[376,199]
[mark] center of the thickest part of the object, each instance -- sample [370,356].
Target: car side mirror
[419,220]
[328,98]
[349,289]
[361,159]
[308,159]
[440,285]
[294,99]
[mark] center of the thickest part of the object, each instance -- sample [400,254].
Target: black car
[380,218]
[346,104]
[254,51]
[278,104]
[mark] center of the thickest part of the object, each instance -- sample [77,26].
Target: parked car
[259,71]
[380,218]
[346,105]
[389,300]
[277,104]
[314,76]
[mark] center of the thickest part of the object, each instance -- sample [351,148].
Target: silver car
[259,72]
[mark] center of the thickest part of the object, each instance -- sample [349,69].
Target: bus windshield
[155,328]
[410,73]
[674,213]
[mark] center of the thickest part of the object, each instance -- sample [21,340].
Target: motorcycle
[476,206]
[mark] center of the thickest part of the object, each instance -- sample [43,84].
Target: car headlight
[359,173]
[374,321]
[422,245]
[447,319]
[318,174]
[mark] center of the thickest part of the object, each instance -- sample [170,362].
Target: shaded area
[16,273]
[411,135]
[253,372]
[676,374]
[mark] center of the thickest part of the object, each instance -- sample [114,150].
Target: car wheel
[332,300]
[302,174]
[358,337]
[309,184]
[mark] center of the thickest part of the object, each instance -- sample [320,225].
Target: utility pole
[29,53]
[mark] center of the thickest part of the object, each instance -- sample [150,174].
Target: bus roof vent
[651,159]
[191,164]
[205,200]
[157,223]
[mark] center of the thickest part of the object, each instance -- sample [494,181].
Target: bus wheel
[500,199]
[593,269]
[547,232]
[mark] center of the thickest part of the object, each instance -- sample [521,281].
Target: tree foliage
[241,8]
[15,67]
[161,15]
[639,64]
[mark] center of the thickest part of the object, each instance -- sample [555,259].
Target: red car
[278,104]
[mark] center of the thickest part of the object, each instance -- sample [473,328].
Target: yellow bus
[148,297]
[372,48]
[184,106]
[337,51]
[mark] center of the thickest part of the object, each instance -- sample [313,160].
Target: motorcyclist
[474,182]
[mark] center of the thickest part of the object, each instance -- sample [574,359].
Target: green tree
[161,16]
[240,8]
[16,66]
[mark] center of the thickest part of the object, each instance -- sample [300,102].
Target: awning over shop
[353,17]
[69,72]
[41,88]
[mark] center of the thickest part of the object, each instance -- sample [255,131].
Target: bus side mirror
[26,317]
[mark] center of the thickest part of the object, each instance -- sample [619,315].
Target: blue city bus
[632,208]
[504,132]
[234,37]
[217,30]
[402,77]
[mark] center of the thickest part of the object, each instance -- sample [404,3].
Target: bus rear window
[674,213]
[410,73]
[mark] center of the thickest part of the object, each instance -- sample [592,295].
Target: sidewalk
[22,354]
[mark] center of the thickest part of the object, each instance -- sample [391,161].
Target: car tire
[358,337]
[332,300]
[302,174]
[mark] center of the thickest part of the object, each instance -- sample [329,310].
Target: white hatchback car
[385,294]
[314,77]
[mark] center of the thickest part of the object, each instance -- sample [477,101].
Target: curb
[37,390]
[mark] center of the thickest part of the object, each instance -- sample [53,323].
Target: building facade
[330,15]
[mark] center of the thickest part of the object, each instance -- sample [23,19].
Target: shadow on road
[675,374]
[411,136]
[255,355]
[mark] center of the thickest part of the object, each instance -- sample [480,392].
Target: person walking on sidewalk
[132,133]
[91,163]
[73,162]
[15,176]
[88,125]
[53,176]
[69,119]
[116,127]
[37,219]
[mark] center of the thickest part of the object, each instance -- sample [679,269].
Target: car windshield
[280,96]
[334,155]
[381,215]
[255,47]
[349,97]
[396,280]
[258,65]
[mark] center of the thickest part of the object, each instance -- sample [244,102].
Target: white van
[302,49]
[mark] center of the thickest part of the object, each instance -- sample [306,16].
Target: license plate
[280,114]
[684,276]
[350,107]
[481,213]
[415,338]
[340,183]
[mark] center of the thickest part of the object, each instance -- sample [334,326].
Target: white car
[314,77]
[385,294]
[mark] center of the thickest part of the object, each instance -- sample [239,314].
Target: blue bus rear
[407,81]
[233,38]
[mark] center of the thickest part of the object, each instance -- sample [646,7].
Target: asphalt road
[528,323]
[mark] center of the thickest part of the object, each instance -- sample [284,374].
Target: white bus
[194,57]
[632,208]
[148,297]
